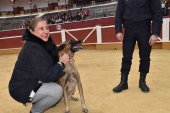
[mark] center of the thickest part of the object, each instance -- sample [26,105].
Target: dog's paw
[68,111]
[85,110]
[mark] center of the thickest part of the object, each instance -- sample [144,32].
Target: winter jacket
[37,62]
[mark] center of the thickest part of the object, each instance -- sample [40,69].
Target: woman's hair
[33,22]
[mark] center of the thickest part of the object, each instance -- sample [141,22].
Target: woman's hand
[64,59]
[119,36]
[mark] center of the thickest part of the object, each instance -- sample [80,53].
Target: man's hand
[153,39]
[119,36]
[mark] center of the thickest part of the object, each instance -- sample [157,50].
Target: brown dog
[71,79]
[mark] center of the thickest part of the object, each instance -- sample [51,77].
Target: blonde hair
[33,22]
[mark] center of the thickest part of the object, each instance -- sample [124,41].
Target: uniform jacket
[138,11]
[36,62]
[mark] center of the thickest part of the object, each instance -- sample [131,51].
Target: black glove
[75,45]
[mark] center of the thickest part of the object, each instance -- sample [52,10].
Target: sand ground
[99,70]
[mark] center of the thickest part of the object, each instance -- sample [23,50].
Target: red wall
[9,33]
[11,43]
[108,34]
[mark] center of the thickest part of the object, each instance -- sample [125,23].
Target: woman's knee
[56,90]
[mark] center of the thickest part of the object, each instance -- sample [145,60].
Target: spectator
[58,27]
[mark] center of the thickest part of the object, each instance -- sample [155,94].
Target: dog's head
[70,47]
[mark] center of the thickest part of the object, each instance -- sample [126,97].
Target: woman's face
[41,30]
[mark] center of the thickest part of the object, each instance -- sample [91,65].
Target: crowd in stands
[67,16]
[61,17]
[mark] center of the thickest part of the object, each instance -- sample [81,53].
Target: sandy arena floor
[99,70]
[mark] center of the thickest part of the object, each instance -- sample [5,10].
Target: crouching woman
[37,69]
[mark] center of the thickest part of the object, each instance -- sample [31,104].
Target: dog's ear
[75,45]
[61,47]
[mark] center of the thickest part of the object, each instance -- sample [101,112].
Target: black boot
[142,83]
[123,85]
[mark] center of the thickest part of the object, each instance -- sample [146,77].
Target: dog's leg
[73,97]
[67,109]
[80,88]
[64,85]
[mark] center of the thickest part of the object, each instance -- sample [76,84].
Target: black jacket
[36,62]
[138,11]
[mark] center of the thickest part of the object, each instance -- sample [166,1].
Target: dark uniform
[136,17]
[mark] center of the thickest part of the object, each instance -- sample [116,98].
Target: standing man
[136,17]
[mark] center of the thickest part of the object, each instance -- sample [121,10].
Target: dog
[71,79]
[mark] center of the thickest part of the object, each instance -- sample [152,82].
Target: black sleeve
[119,16]
[43,68]
[156,16]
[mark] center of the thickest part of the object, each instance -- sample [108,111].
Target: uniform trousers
[139,32]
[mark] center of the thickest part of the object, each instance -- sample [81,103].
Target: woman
[37,69]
